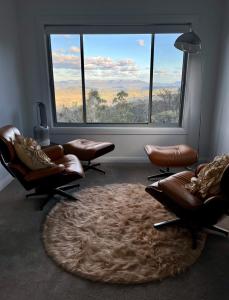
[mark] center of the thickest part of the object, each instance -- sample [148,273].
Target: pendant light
[188,42]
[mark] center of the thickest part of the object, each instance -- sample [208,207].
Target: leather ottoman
[87,150]
[171,156]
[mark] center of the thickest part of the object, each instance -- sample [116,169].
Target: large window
[116,79]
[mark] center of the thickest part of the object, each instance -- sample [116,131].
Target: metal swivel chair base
[61,191]
[162,224]
[194,230]
[163,174]
[218,229]
[91,166]
[179,222]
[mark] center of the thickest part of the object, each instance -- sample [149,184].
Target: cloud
[68,36]
[141,43]
[161,72]
[95,66]
[167,75]
[60,50]
[69,61]
[68,65]
[74,49]
[65,61]
[167,72]
[66,75]
[107,63]
[68,51]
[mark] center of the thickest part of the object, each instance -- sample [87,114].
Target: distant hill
[69,92]
[124,84]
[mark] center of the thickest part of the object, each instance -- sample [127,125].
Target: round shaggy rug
[109,236]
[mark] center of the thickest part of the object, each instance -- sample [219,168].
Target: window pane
[167,76]
[117,72]
[67,77]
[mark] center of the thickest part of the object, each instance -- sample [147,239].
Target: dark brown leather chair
[192,212]
[49,181]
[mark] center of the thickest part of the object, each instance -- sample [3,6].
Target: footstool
[170,156]
[87,150]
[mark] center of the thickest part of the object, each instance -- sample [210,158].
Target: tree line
[165,109]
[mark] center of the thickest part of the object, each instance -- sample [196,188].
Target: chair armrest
[216,202]
[199,168]
[54,152]
[214,208]
[18,168]
[179,195]
[43,173]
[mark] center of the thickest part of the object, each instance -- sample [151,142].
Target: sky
[116,57]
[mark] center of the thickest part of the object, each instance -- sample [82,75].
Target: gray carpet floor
[27,273]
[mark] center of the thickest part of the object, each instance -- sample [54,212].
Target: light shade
[188,42]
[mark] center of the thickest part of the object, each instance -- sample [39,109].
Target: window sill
[117,131]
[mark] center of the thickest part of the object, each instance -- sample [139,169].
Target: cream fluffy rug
[109,236]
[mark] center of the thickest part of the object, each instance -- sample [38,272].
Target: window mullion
[151,80]
[83,79]
[51,78]
[182,90]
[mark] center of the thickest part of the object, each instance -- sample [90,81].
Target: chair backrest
[224,184]
[8,156]
[7,137]
[214,210]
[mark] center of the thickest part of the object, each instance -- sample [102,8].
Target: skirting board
[122,159]
[133,159]
[5,181]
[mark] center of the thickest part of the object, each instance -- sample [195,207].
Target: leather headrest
[8,135]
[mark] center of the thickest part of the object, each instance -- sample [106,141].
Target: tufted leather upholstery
[171,156]
[71,163]
[87,150]
[54,152]
[66,169]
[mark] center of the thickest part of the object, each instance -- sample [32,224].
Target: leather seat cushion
[174,191]
[180,178]
[71,164]
[171,156]
[87,150]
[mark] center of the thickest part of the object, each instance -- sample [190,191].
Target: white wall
[10,77]
[220,124]
[206,18]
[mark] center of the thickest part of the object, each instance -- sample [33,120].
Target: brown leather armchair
[49,181]
[192,212]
